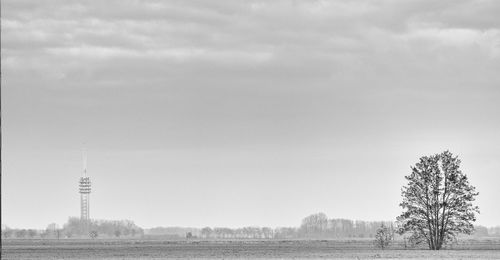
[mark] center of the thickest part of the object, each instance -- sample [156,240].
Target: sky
[243,113]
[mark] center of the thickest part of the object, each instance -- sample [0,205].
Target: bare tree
[383,237]
[315,224]
[53,230]
[206,232]
[437,201]
[267,232]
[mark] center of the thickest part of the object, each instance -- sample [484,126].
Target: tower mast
[84,157]
[85,187]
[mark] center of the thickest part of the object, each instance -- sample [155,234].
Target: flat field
[243,249]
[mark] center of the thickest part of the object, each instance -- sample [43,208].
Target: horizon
[243,113]
[4,226]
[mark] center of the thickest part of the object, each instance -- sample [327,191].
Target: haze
[240,113]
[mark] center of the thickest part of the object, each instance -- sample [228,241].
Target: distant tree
[7,233]
[315,224]
[44,234]
[494,231]
[347,227]
[360,230]
[383,237]
[93,234]
[53,230]
[31,233]
[248,232]
[21,233]
[229,232]
[206,232]
[73,227]
[117,233]
[267,232]
[189,235]
[218,232]
[52,227]
[285,232]
[437,201]
[255,232]
[480,231]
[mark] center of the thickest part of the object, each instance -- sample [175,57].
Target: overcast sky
[237,113]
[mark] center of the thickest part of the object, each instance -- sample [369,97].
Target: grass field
[311,249]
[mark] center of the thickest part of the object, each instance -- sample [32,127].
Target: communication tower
[85,187]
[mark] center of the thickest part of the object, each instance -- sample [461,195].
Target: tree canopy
[437,201]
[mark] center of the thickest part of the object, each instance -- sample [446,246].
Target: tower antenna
[84,186]
[84,157]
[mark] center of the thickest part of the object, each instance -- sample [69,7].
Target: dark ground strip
[120,249]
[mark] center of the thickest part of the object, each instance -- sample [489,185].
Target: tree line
[314,226]
[73,229]
[437,202]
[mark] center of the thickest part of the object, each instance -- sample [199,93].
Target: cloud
[298,37]
[322,84]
